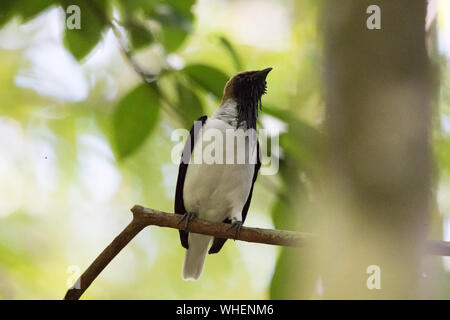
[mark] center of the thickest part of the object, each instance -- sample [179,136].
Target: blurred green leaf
[6,9]
[176,21]
[174,16]
[172,37]
[284,115]
[81,41]
[233,53]
[442,153]
[23,8]
[134,119]
[181,5]
[30,9]
[189,103]
[209,78]
[302,141]
[140,36]
[131,6]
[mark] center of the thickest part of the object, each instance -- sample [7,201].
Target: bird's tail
[195,256]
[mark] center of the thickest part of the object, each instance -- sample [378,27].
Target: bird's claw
[238,226]
[187,217]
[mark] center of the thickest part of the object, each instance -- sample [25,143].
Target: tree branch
[143,217]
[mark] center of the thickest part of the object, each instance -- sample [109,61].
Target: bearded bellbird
[220,191]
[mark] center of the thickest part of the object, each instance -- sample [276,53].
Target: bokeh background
[83,138]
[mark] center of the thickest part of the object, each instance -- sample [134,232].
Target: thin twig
[146,77]
[124,46]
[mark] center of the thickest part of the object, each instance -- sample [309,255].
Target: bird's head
[246,89]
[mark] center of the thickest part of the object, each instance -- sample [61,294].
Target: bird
[220,190]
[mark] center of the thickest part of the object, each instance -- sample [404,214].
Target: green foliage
[135,118]
[5,11]
[174,18]
[81,41]
[172,37]
[442,153]
[132,125]
[303,142]
[140,36]
[209,78]
[233,53]
[130,7]
[31,8]
[22,8]
[189,103]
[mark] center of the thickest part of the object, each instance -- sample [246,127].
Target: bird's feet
[236,224]
[187,217]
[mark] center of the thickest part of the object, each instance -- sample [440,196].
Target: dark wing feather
[219,242]
[186,156]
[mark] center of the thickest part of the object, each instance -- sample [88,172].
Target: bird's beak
[263,73]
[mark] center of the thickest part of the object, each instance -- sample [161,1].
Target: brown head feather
[246,88]
[229,86]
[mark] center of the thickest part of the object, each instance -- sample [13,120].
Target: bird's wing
[219,242]
[186,156]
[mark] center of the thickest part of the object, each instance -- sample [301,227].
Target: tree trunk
[377,199]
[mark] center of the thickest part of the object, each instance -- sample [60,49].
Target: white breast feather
[218,191]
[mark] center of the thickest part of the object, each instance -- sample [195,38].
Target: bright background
[70,171]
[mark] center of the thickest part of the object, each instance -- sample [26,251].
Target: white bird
[219,166]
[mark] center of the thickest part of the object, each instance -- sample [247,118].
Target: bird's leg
[236,224]
[187,217]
